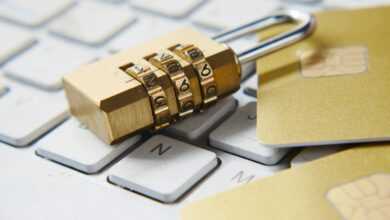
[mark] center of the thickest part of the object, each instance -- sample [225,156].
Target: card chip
[334,61]
[367,198]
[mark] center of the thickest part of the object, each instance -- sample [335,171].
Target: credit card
[331,88]
[350,185]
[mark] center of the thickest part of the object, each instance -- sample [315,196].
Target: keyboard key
[237,135]
[250,86]
[354,3]
[73,145]
[172,8]
[113,1]
[247,69]
[92,23]
[232,173]
[45,64]
[32,12]
[303,2]
[32,187]
[314,153]
[163,168]
[311,7]
[243,99]
[16,42]
[197,127]
[222,14]
[27,113]
[136,33]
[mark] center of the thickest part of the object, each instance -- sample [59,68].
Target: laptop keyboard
[53,162]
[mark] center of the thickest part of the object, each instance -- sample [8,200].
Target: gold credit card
[350,185]
[331,88]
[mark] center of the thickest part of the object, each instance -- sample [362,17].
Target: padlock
[154,84]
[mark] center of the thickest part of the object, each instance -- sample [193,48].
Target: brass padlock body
[113,104]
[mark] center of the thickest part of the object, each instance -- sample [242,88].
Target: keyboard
[54,168]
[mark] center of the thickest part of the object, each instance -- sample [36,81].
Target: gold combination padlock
[152,85]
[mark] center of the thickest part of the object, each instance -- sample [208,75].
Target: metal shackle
[306,25]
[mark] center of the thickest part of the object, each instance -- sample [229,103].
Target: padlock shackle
[306,26]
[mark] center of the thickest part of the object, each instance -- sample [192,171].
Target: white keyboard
[52,167]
